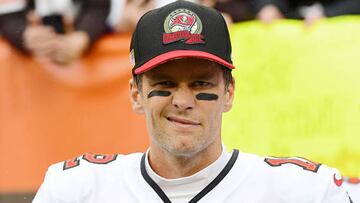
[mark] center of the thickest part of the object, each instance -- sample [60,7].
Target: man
[182,83]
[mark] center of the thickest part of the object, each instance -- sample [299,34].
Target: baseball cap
[180,30]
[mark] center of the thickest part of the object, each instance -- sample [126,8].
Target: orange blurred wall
[49,113]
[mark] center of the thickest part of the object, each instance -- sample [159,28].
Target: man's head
[182,76]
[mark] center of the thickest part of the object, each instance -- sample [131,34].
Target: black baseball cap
[180,30]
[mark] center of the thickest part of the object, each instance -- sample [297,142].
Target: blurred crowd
[63,30]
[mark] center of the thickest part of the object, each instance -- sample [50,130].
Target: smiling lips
[182,121]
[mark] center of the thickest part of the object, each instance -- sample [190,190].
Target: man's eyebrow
[207,76]
[157,77]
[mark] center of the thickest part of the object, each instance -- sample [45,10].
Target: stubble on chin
[182,147]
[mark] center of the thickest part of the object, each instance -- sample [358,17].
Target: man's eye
[202,84]
[165,84]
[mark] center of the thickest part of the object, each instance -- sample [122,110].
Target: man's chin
[185,151]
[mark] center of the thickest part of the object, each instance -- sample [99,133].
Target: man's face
[183,101]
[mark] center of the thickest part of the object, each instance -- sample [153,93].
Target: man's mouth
[182,121]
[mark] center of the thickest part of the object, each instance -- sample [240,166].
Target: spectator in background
[237,10]
[124,14]
[8,23]
[59,30]
[309,10]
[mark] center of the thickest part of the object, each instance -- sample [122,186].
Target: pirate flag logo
[183,25]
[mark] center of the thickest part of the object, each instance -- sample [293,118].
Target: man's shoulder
[352,185]
[76,177]
[99,161]
[94,163]
[295,169]
[286,166]
[291,177]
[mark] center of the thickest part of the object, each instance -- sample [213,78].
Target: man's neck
[169,166]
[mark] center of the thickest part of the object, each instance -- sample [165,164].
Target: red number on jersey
[71,163]
[99,159]
[303,163]
[92,158]
[353,180]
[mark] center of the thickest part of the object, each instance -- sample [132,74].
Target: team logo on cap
[183,25]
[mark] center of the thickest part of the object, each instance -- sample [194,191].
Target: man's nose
[183,99]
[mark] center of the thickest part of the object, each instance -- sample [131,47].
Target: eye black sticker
[207,96]
[159,93]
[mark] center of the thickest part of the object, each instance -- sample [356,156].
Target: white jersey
[352,185]
[245,178]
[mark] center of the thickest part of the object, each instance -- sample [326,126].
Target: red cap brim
[181,54]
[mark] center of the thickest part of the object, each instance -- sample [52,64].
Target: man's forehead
[197,68]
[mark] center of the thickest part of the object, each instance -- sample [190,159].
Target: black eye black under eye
[160,93]
[200,96]
[207,96]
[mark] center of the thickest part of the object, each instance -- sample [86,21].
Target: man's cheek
[207,96]
[159,93]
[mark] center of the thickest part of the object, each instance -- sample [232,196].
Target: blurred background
[64,72]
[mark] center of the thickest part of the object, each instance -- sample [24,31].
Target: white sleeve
[353,189]
[116,12]
[43,194]
[336,191]
[66,186]
[12,6]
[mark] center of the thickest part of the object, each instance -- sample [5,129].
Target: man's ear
[135,98]
[229,96]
